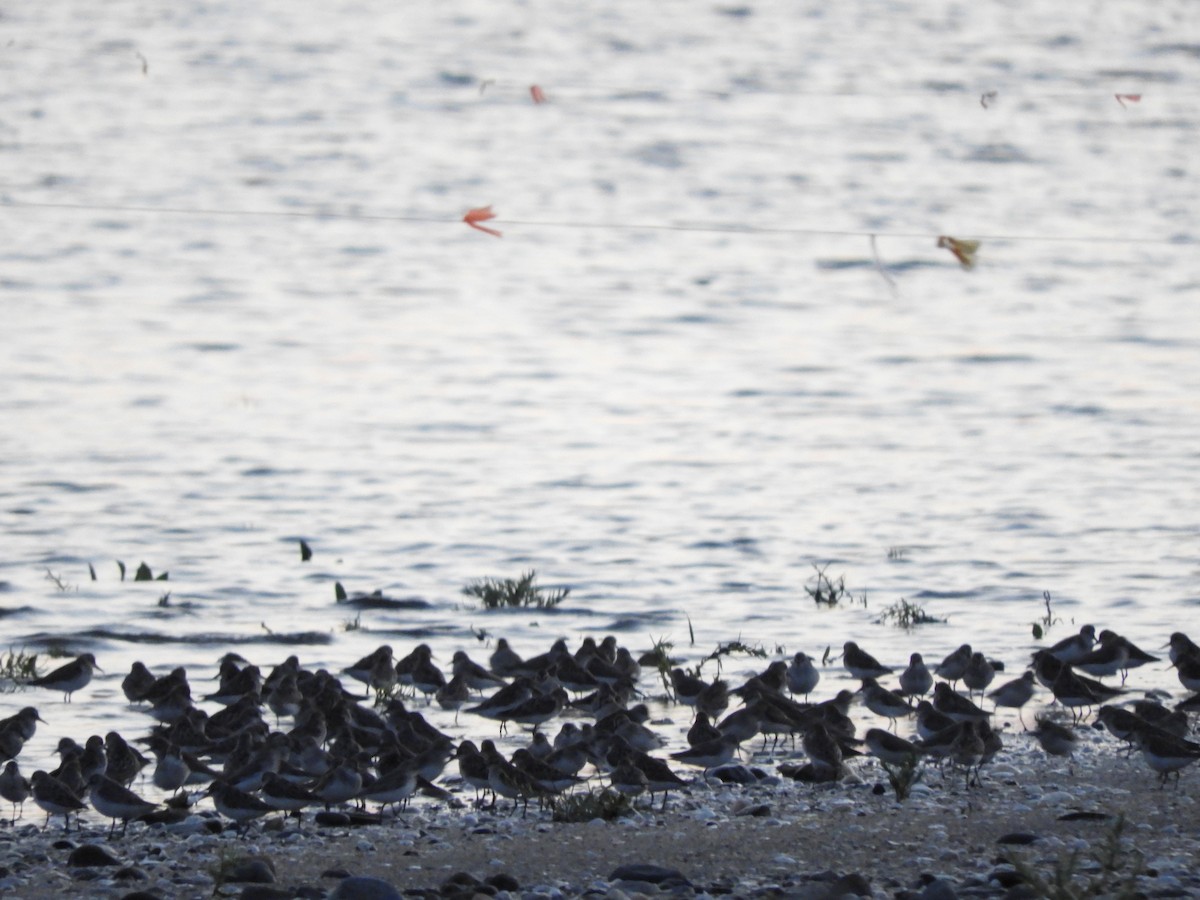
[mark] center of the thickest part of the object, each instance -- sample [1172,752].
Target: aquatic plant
[60,582]
[894,553]
[353,624]
[659,657]
[906,615]
[16,668]
[903,777]
[826,592]
[1112,870]
[586,806]
[731,647]
[1046,622]
[495,593]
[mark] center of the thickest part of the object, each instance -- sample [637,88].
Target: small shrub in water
[907,615]
[495,593]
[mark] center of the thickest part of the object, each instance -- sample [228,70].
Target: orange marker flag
[964,251]
[481,214]
[538,95]
[1132,98]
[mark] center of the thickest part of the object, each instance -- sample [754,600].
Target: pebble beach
[771,838]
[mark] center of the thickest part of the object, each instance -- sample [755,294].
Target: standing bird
[953,666]
[1015,694]
[916,680]
[802,675]
[71,677]
[14,787]
[54,797]
[978,674]
[860,664]
[116,801]
[1056,739]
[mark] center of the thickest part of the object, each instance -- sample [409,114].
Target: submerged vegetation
[907,615]
[825,591]
[16,667]
[496,593]
[1047,621]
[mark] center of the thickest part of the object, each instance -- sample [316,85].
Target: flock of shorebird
[367,746]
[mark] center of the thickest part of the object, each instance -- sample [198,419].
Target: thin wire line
[694,227]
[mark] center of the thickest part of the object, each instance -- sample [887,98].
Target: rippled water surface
[241,309]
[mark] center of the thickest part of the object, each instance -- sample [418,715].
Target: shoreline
[718,836]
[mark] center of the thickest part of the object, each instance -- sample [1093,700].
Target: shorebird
[802,675]
[370,670]
[978,674]
[916,680]
[710,754]
[860,664]
[956,706]
[1015,694]
[241,807]
[138,682]
[687,687]
[884,702]
[1055,739]
[889,748]
[476,676]
[54,797]
[1166,754]
[505,661]
[629,780]
[14,787]
[1071,650]
[16,730]
[953,666]
[115,801]
[287,796]
[70,677]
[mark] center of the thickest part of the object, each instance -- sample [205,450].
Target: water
[680,425]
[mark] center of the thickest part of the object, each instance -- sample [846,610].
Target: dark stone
[1019,838]
[335,873]
[734,775]
[332,819]
[91,855]
[502,881]
[757,811]
[939,889]
[461,879]
[131,873]
[265,892]
[64,844]
[1006,877]
[851,884]
[251,871]
[363,887]
[649,873]
[142,895]
[879,790]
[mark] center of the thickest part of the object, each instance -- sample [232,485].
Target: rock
[939,889]
[757,811]
[131,873]
[142,895]
[91,855]
[363,887]
[265,892]
[1018,838]
[332,819]
[649,873]
[250,870]
[502,881]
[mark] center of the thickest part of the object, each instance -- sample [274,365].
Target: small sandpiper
[1071,650]
[116,801]
[889,748]
[860,664]
[956,706]
[884,702]
[241,807]
[978,674]
[1056,739]
[14,787]
[71,677]
[916,680]
[1015,694]
[802,675]
[54,797]
[953,666]
[710,754]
